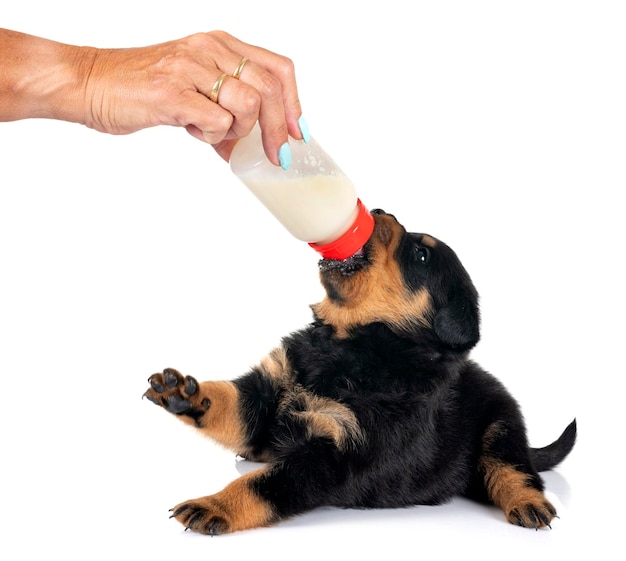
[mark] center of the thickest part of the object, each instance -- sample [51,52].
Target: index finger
[282,69]
[274,77]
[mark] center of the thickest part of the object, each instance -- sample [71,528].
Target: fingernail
[284,156]
[304,129]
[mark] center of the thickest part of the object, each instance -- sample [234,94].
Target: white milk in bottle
[313,198]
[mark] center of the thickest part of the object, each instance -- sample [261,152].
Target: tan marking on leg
[277,367]
[510,488]
[236,507]
[212,408]
[223,421]
[328,418]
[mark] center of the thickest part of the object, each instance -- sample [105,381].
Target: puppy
[374,405]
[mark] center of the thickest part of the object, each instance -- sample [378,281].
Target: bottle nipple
[352,240]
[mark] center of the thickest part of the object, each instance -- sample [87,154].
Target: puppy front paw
[177,394]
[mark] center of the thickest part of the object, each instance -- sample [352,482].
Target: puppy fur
[375,404]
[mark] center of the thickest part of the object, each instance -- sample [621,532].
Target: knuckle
[223,122]
[202,40]
[285,67]
[270,88]
[249,101]
[216,130]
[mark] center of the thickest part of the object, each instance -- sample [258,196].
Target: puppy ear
[457,324]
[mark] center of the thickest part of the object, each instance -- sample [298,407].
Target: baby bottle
[312,199]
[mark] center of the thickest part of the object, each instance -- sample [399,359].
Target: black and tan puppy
[373,405]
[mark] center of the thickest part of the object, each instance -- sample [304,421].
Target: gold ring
[215,90]
[238,70]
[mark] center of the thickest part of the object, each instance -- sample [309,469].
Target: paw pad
[177,394]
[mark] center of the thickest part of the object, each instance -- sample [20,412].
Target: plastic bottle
[313,199]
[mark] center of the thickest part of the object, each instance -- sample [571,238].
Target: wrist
[44,79]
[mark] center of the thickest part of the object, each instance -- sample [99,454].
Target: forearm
[42,78]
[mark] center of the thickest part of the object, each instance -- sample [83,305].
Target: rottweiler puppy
[375,404]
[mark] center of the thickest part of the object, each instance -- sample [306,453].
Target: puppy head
[410,282]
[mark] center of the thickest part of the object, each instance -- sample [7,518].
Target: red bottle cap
[352,240]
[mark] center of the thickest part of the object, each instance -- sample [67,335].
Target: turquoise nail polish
[304,129]
[284,156]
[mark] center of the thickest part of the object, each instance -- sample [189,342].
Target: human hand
[120,91]
[170,84]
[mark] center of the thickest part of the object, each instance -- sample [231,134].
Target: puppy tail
[550,456]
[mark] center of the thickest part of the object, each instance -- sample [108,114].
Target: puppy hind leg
[510,481]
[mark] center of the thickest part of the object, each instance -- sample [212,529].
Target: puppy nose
[378,211]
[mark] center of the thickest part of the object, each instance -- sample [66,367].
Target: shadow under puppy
[375,404]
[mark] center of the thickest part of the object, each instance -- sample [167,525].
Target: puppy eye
[422,254]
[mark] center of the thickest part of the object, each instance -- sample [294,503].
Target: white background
[498,127]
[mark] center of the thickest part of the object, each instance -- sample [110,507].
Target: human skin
[123,90]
